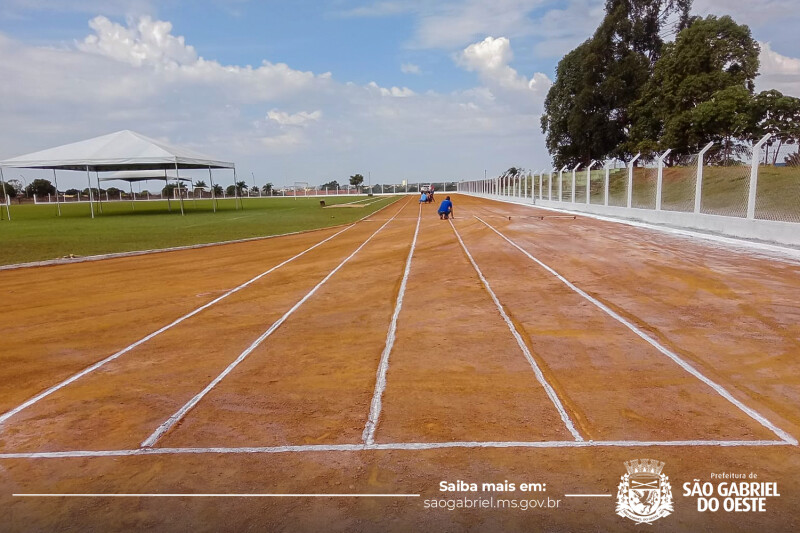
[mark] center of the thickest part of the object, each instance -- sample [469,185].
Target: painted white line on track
[172,324]
[318,448]
[677,359]
[763,249]
[380,383]
[551,393]
[175,418]
[221,495]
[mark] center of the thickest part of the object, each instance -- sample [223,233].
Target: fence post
[560,180]
[630,180]
[541,179]
[751,196]
[589,182]
[698,186]
[573,181]
[605,183]
[660,178]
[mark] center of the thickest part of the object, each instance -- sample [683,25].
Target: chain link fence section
[778,189]
[566,186]
[618,187]
[726,181]
[645,180]
[580,186]
[597,187]
[679,185]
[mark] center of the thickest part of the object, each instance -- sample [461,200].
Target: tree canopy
[40,187]
[626,90]
[587,109]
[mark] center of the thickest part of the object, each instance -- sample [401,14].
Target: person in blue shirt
[423,198]
[446,209]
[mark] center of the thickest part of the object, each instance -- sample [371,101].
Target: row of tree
[42,187]
[626,90]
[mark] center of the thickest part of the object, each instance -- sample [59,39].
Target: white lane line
[682,363]
[172,324]
[175,418]
[368,435]
[311,448]
[222,495]
[5,416]
[536,370]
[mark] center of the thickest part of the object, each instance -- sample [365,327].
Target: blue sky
[313,90]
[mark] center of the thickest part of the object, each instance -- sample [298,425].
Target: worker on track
[446,209]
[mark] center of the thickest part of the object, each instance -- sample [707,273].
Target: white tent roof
[142,175]
[123,150]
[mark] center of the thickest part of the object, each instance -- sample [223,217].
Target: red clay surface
[455,373]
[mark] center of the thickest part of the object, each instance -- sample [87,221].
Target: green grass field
[35,232]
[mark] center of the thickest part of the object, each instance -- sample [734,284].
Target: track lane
[456,372]
[311,382]
[123,402]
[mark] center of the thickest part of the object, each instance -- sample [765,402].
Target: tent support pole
[58,204]
[166,182]
[99,194]
[133,207]
[213,194]
[5,194]
[91,195]
[235,192]
[178,184]
[194,196]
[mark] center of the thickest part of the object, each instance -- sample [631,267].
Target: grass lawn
[35,232]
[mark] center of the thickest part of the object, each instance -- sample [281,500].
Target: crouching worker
[446,209]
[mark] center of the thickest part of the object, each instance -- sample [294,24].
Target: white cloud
[750,13]
[16,8]
[410,68]
[490,58]
[450,24]
[778,72]
[150,42]
[395,92]
[141,76]
[380,9]
[297,119]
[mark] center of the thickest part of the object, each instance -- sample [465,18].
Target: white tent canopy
[123,150]
[142,175]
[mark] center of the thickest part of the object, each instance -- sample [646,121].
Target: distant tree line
[626,90]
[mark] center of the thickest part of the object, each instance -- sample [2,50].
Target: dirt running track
[648,345]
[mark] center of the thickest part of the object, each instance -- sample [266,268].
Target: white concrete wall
[783,233]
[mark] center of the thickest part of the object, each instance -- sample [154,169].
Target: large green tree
[586,113]
[703,68]
[779,115]
[9,190]
[40,187]
[356,180]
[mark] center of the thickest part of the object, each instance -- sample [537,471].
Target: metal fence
[731,180]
